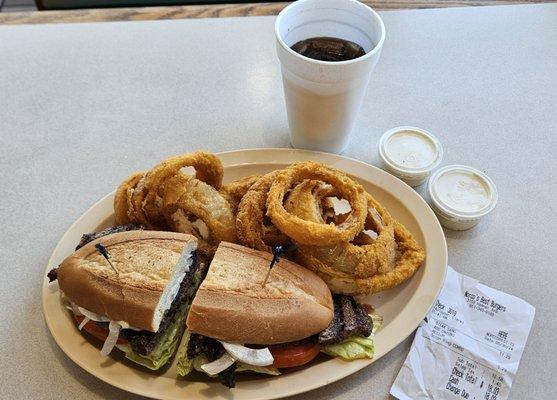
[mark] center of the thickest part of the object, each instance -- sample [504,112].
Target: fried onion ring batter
[369,266]
[310,232]
[234,191]
[252,226]
[202,201]
[135,205]
[123,196]
[208,169]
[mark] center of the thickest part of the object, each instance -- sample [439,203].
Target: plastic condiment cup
[461,196]
[323,98]
[410,153]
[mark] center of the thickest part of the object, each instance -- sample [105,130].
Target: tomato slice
[294,354]
[93,329]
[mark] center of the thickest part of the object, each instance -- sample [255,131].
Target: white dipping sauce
[461,196]
[410,153]
[463,191]
[411,149]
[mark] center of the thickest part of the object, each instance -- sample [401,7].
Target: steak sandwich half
[236,323]
[133,290]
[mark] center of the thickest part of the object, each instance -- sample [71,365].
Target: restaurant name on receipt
[468,347]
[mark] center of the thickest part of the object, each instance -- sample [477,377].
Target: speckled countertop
[83,105]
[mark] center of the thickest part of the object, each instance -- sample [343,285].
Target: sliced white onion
[75,309]
[201,228]
[92,316]
[83,323]
[112,338]
[376,217]
[219,365]
[258,357]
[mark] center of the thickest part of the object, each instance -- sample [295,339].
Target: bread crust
[145,261]
[232,305]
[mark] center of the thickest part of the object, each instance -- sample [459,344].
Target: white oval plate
[402,308]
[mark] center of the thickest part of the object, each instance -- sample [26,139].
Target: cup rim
[369,54]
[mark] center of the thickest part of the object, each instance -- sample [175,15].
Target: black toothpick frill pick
[278,252]
[102,250]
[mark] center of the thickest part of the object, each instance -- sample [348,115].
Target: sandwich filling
[349,336]
[150,349]
[350,333]
[198,352]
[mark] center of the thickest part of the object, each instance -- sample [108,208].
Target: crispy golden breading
[135,206]
[374,264]
[309,232]
[122,196]
[309,200]
[251,226]
[165,198]
[235,191]
[208,169]
[201,201]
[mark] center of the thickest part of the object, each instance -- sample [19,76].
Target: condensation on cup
[323,98]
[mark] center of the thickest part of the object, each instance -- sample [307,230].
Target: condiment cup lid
[410,150]
[462,191]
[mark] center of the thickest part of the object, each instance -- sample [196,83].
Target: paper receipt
[469,345]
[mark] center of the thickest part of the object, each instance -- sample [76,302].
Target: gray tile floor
[18,5]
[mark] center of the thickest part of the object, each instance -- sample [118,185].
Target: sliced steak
[334,331]
[364,321]
[203,345]
[350,319]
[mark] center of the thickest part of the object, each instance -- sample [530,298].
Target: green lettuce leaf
[351,349]
[185,365]
[355,347]
[164,350]
[377,322]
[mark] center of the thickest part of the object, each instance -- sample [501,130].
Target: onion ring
[310,232]
[179,221]
[348,268]
[135,204]
[309,201]
[234,191]
[409,258]
[208,169]
[196,198]
[365,260]
[122,195]
[252,227]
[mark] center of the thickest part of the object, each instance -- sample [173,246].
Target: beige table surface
[82,105]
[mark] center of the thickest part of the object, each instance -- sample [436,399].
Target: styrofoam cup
[322,97]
